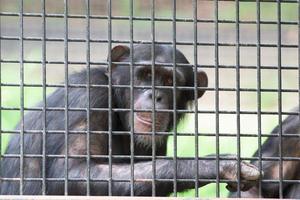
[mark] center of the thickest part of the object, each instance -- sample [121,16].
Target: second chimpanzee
[76,124]
[290,148]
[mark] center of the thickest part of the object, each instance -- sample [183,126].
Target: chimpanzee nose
[158,99]
[159,96]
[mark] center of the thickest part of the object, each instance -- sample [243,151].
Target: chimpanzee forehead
[162,53]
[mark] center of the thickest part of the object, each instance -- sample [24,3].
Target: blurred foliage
[163,8]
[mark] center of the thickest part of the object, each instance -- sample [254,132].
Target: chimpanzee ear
[118,52]
[202,81]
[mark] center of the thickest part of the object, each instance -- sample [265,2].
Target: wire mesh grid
[248,49]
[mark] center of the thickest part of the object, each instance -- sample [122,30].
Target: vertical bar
[298,58]
[237,25]
[109,100]
[279,96]
[88,95]
[153,96]
[258,74]
[0,105]
[131,102]
[44,97]
[195,6]
[174,97]
[216,27]
[66,94]
[21,98]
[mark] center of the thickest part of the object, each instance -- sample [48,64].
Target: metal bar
[81,198]
[158,19]
[7,197]
[238,111]
[195,27]
[258,74]
[298,57]
[223,134]
[109,45]
[66,98]
[88,189]
[141,87]
[217,111]
[21,99]
[238,121]
[279,97]
[128,181]
[153,97]
[174,97]
[141,157]
[160,110]
[44,76]
[131,102]
[1,103]
[146,64]
[82,40]
[141,180]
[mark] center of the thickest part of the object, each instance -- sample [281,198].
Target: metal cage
[249,49]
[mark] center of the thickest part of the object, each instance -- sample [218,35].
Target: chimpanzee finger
[244,186]
[249,171]
[231,187]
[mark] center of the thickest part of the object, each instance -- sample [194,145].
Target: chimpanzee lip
[144,120]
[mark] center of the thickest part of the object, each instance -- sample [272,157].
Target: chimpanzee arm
[121,174]
[290,169]
[290,148]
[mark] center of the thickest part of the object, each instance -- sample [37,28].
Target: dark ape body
[98,121]
[290,169]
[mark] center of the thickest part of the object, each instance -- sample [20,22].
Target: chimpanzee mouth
[145,118]
[144,121]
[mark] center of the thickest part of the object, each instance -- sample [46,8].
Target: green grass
[268,11]
[11,96]
[207,145]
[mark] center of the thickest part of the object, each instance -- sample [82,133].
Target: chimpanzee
[290,148]
[96,99]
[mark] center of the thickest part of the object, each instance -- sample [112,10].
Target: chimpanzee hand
[249,174]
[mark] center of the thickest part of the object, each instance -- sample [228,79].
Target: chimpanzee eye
[169,81]
[149,76]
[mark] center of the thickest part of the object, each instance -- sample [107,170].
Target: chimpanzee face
[145,98]
[160,98]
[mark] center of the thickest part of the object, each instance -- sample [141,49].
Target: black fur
[269,149]
[99,168]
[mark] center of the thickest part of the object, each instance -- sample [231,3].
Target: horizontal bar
[161,19]
[124,180]
[39,197]
[27,197]
[224,44]
[147,110]
[149,87]
[149,157]
[179,64]
[73,132]
[143,180]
